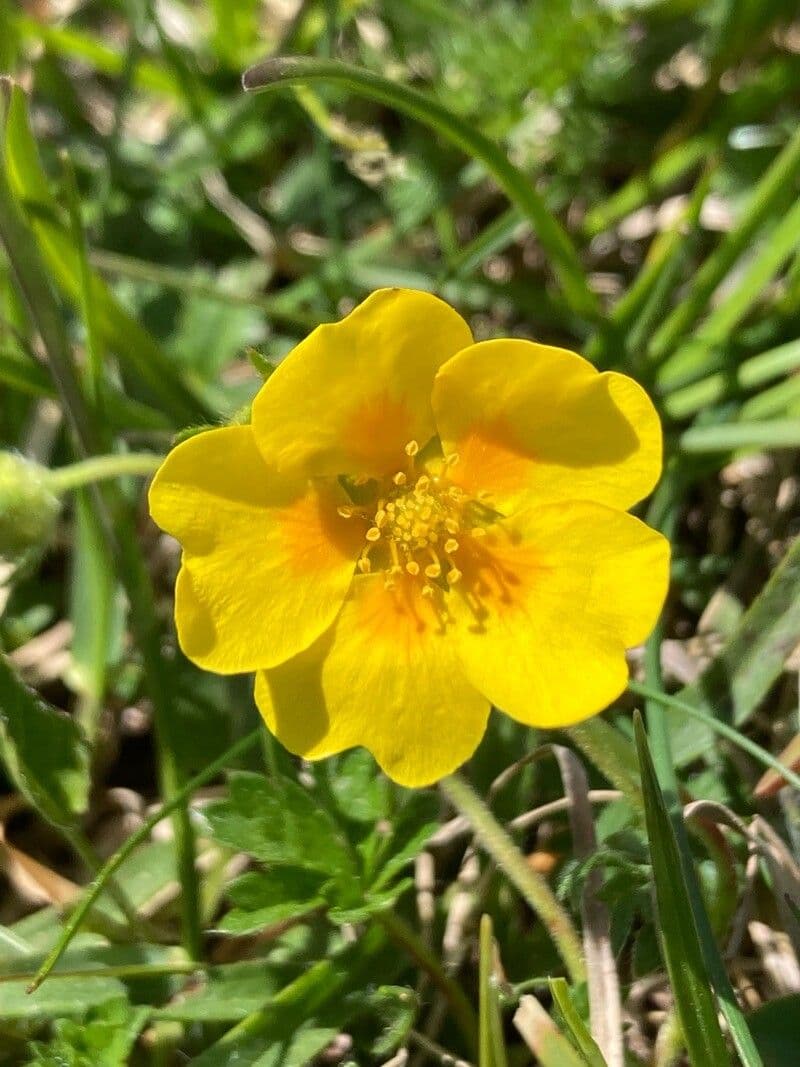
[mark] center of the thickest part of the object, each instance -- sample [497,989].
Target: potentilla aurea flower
[415,527]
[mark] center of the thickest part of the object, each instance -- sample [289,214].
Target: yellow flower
[415,527]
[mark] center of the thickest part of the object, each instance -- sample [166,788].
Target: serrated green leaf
[264,899]
[416,821]
[360,790]
[43,751]
[57,997]
[278,822]
[680,941]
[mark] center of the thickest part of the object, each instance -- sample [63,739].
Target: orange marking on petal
[490,459]
[377,430]
[316,535]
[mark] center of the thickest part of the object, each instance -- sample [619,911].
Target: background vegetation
[619,177]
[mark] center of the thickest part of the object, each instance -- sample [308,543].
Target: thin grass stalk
[93,891]
[282,71]
[765,199]
[533,888]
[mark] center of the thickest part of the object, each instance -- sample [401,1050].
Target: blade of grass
[741,436]
[279,72]
[543,1037]
[683,955]
[580,1035]
[492,1049]
[751,373]
[764,200]
[120,331]
[717,726]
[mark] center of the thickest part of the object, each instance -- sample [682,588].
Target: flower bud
[28,508]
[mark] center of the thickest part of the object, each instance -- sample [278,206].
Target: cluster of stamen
[418,526]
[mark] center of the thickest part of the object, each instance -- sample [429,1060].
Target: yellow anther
[380,518]
[427,590]
[452,459]
[478,531]
[364,565]
[346,511]
[451,545]
[399,478]
[453,576]
[388,584]
[433,570]
[423,482]
[452,526]
[373,534]
[412,567]
[411,448]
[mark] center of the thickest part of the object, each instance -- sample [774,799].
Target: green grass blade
[120,332]
[691,987]
[765,199]
[543,1037]
[741,436]
[580,1035]
[279,72]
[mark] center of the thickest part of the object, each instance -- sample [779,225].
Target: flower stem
[97,468]
[531,885]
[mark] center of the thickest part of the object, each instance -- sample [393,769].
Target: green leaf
[680,941]
[416,821]
[278,822]
[227,994]
[43,751]
[57,997]
[775,1027]
[104,1039]
[265,899]
[361,792]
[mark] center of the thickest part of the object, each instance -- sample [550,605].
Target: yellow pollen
[373,534]
[451,545]
[453,576]
[452,459]
[411,448]
[399,478]
[412,567]
[478,531]
[422,483]
[427,590]
[364,565]
[452,526]
[380,518]
[345,511]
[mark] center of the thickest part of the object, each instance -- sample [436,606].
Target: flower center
[419,525]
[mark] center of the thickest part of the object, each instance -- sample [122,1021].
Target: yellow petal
[387,677]
[354,393]
[531,423]
[266,563]
[552,598]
